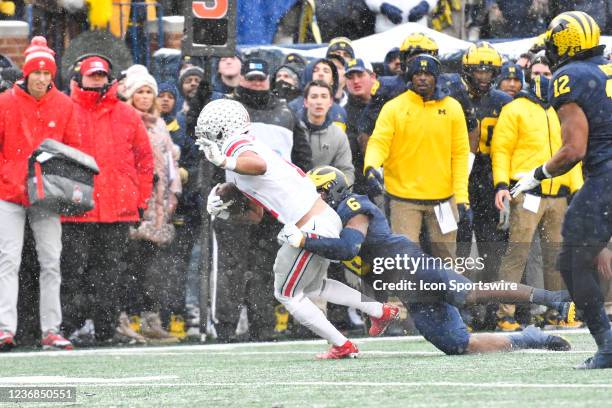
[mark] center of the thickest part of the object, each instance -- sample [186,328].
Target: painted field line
[327,384]
[57,379]
[224,347]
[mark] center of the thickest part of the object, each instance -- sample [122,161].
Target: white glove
[215,205]
[527,181]
[214,155]
[292,235]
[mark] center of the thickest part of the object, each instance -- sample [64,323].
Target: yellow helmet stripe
[584,23]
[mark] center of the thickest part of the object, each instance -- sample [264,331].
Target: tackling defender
[367,234]
[222,132]
[582,95]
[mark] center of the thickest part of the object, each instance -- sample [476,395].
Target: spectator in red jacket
[31,111]
[94,242]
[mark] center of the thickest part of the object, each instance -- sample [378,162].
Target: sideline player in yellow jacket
[421,140]
[527,133]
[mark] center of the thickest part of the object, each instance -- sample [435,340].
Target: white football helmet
[222,119]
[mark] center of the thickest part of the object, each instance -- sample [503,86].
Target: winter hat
[291,72]
[39,57]
[190,71]
[136,77]
[340,44]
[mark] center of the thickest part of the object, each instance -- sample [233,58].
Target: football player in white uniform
[283,190]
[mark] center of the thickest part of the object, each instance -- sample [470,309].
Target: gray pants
[47,232]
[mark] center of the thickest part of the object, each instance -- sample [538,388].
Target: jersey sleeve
[237,146]
[570,85]
[355,205]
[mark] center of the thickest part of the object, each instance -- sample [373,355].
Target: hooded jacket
[115,136]
[24,124]
[330,146]
[337,114]
[526,135]
[277,126]
[190,200]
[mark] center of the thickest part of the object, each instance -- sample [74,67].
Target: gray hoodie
[330,146]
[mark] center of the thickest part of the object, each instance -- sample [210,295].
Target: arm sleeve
[343,159]
[342,249]
[72,136]
[459,157]
[143,157]
[301,153]
[505,136]
[380,141]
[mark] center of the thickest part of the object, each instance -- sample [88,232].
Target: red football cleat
[54,341]
[379,325]
[347,350]
[7,342]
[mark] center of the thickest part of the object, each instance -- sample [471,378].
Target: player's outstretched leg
[530,338]
[380,314]
[559,300]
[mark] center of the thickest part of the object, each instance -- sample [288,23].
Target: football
[229,191]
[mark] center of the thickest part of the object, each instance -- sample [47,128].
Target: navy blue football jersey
[588,83]
[487,109]
[380,241]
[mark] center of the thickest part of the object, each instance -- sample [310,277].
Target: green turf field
[391,372]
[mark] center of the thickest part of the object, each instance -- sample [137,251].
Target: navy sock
[531,337]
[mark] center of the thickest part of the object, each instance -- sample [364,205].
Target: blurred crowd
[128,270]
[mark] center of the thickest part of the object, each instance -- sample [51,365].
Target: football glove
[393,13]
[530,180]
[292,235]
[504,216]
[215,205]
[214,155]
[466,215]
[418,12]
[374,182]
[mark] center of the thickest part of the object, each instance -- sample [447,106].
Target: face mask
[286,91]
[539,87]
[254,98]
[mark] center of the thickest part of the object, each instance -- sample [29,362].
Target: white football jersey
[284,190]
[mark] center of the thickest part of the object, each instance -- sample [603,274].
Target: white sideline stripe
[120,383]
[228,347]
[58,379]
[211,353]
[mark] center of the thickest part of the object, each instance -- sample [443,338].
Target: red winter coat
[24,124]
[115,136]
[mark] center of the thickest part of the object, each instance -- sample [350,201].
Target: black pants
[93,270]
[245,276]
[587,228]
[490,241]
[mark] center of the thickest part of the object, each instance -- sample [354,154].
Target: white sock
[341,294]
[309,315]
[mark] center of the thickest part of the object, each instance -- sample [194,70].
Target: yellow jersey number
[560,85]
[353,204]
[607,69]
[487,125]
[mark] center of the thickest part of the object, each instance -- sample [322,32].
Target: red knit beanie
[39,57]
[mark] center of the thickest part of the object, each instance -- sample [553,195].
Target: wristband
[540,173]
[230,163]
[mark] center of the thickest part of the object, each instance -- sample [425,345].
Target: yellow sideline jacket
[423,147]
[525,137]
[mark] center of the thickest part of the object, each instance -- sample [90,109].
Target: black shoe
[598,361]
[557,343]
